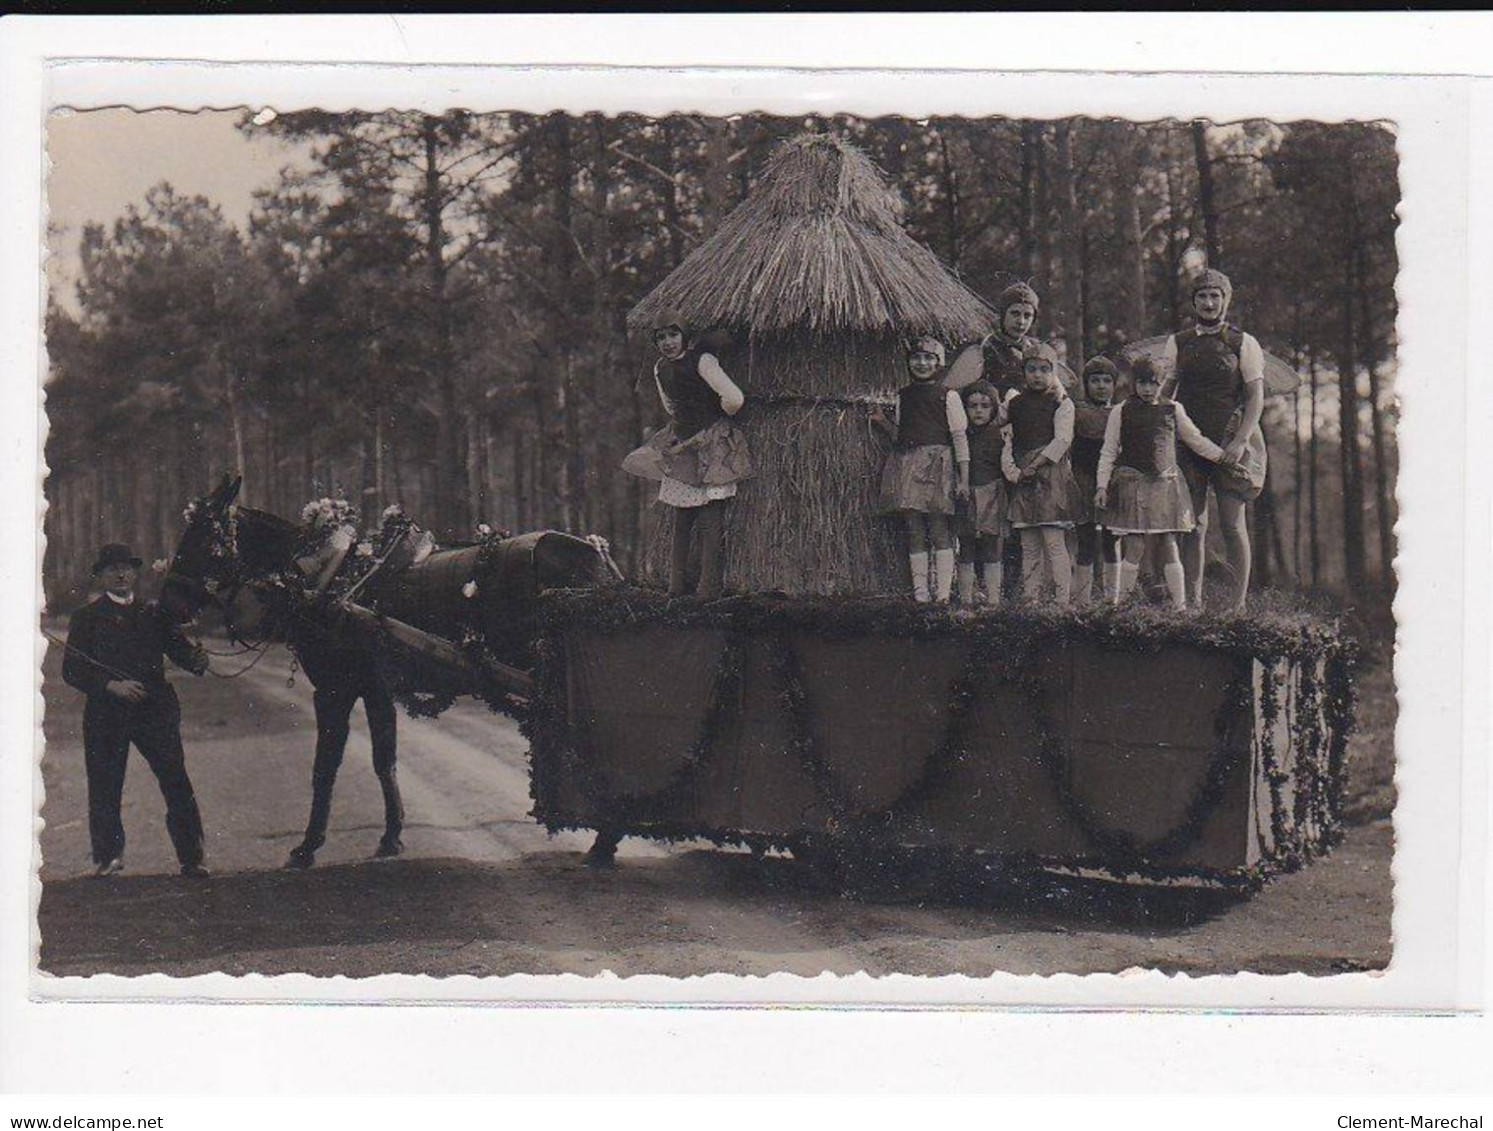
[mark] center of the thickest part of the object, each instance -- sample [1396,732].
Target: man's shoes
[110,868]
[195,871]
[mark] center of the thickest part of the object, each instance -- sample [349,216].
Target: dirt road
[483,890]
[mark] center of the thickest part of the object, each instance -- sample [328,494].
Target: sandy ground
[483,890]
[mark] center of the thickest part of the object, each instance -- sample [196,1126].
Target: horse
[242,562]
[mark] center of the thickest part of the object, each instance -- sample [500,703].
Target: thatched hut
[820,288]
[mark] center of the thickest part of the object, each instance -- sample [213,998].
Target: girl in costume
[1039,432]
[1141,494]
[1090,416]
[928,466]
[982,527]
[699,457]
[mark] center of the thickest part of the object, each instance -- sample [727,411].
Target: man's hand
[1233,452]
[199,663]
[130,690]
[961,491]
[1101,497]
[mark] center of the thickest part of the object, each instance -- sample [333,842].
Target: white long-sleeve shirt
[732,398]
[1057,447]
[1187,432]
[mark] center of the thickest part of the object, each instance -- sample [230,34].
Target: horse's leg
[378,705]
[603,850]
[334,706]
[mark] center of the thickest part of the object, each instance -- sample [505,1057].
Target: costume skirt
[716,456]
[1147,504]
[673,493]
[1050,499]
[919,479]
[988,508]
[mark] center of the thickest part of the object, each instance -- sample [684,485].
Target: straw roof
[817,245]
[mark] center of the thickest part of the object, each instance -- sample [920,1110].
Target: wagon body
[1068,747]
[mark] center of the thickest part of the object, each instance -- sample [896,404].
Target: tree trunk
[433,206]
[1352,470]
[1071,287]
[1175,244]
[1376,412]
[1207,203]
[950,196]
[717,185]
[1130,305]
[1031,144]
[1043,273]
[573,466]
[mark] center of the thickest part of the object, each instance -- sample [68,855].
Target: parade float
[812,710]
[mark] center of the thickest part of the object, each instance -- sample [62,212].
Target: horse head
[203,563]
[223,553]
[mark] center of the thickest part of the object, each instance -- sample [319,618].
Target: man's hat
[1213,278]
[1018,292]
[115,553]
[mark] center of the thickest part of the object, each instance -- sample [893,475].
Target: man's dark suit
[108,641]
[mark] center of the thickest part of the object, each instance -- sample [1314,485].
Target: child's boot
[1111,581]
[1176,585]
[919,576]
[943,575]
[994,579]
[1083,584]
[967,584]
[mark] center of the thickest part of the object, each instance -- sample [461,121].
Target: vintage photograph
[500,543]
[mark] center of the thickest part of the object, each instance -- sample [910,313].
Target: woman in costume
[699,457]
[927,468]
[1039,432]
[1141,494]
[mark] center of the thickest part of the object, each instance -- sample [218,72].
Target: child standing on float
[1091,414]
[1141,494]
[1039,432]
[982,527]
[928,467]
[699,457]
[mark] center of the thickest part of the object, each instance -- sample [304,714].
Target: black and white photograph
[494,542]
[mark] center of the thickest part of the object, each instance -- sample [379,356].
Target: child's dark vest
[985,445]
[1148,436]
[1033,425]
[1089,421]
[1209,384]
[696,405]
[1003,363]
[922,415]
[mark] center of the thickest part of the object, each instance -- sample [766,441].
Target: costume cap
[983,388]
[930,345]
[1039,351]
[1216,279]
[1018,292]
[113,554]
[1099,365]
[670,317]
